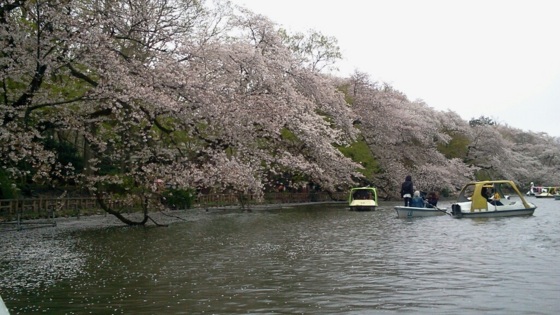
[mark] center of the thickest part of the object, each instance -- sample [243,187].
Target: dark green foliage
[66,154]
[481,121]
[107,167]
[359,152]
[485,174]
[289,135]
[456,148]
[178,198]
[344,89]
[7,189]
[125,186]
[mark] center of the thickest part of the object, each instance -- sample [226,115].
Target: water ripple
[318,260]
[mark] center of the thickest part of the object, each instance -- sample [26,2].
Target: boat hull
[362,208]
[488,199]
[413,212]
[493,212]
[557,197]
[545,196]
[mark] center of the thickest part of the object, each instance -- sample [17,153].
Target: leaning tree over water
[150,91]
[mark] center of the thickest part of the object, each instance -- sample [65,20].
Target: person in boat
[486,193]
[432,199]
[417,201]
[363,195]
[531,191]
[496,199]
[492,198]
[407,190]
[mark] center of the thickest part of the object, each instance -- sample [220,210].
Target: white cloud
[495,58]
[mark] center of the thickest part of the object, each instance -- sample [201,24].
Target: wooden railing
[38,208]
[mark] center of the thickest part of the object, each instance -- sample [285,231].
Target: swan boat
[474,200]
[543,191]
[547,192]
[363,199]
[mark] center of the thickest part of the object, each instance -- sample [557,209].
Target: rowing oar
[429,205]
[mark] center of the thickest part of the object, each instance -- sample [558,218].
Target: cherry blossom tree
[530,157]
[441,150]
[291,116]
[403,136]
[124,98]
[315,50]
[163,91]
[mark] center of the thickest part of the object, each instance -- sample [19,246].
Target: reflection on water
[309,260]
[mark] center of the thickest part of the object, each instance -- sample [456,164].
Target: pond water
[320,259]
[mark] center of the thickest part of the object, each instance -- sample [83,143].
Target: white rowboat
[414,212]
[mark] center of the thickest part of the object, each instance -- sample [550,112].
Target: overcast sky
[497,58]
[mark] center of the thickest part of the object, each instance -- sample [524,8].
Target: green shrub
[8,189]
[178,198]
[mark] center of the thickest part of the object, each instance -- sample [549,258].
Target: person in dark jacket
[432,199]
[407,190]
